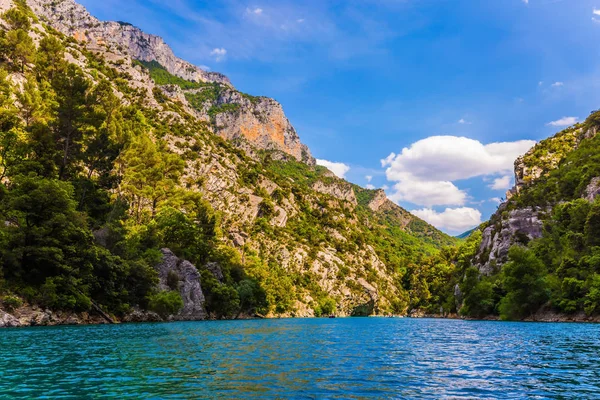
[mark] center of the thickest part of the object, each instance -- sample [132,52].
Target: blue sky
[433,81]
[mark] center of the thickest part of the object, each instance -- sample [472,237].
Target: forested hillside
[539,254]
[106,159]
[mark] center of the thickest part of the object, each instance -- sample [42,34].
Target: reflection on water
[306,358]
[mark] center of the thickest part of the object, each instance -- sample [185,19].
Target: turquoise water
[303,358]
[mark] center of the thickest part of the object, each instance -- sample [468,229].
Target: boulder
[8,321]
[188,285]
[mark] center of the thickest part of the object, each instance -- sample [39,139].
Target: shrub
[166,303]
[173,280]
[11,302]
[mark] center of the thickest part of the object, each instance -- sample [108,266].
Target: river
[303,358]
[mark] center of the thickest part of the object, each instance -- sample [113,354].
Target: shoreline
[33,316]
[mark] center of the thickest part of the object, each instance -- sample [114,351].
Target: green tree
[478,295]
[151,176]
[71,90]
[523,278]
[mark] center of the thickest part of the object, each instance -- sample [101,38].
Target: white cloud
[424,172]
[596,11]
[455,220]
[369,186]
[255,11]
[564,121]
[502,183]
[338,168]
[428,193]
[464,121]
[218,53]
[526,1]
[385,187]
[558,84]
[496,200]
[369,178]
[450,158]
[388,160]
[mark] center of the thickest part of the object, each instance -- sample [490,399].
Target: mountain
[466,234]
[538,254]
[136,186]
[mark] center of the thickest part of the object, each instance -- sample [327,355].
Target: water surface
[303,358]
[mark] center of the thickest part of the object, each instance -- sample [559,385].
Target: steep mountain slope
[540,248]
[113,152]
[259,120]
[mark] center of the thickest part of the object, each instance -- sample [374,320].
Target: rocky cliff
[259,120]
[182,276]
[520,219]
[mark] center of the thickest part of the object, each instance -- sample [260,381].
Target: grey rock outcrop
[520,226]
[592,190]
[339,190]
[188,284]
[8,321]
[379,200]
[216,270]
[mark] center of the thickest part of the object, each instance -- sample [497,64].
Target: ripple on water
[305,358]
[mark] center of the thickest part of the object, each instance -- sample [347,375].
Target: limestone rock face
[73,19]
[188,283]
[342,191]
[259,120]
[262,122]
[378,201]
[592,190]
[521,226]
[8,321]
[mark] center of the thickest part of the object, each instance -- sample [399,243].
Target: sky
[431,100]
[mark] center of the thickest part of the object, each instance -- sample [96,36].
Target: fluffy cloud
[502,183]
[454,220]
[428,193]
[218,53]
[450,158]
[424,172]
[596,11]
[464,121]
[369,186]
[338,168]
[558,84]
[564,121]
[369,178]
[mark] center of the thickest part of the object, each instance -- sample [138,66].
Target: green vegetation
[161,76]
[92,187]
[561,270]
[89,191]
[166,303]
